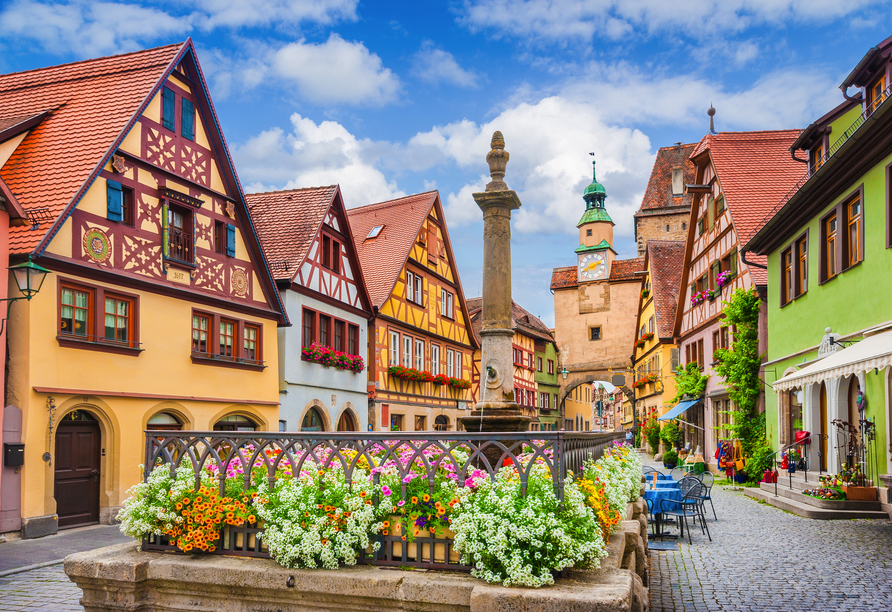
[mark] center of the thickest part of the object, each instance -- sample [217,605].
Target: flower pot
[669,466]
[791,468]
[860,493]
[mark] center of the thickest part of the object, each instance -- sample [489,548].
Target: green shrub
[670,434]
[670,457]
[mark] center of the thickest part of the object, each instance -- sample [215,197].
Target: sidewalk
[24,553]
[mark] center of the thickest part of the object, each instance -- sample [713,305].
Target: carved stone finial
[497,159]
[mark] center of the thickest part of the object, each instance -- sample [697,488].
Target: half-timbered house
[531,341]
[309,246]
[420,344]
[740,176]
[160,312]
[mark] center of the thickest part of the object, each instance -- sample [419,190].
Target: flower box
[330,358]
[418,548]
[860,493]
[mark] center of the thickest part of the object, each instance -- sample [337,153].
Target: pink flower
[386,490]
[401,503]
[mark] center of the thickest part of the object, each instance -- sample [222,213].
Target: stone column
[497,409]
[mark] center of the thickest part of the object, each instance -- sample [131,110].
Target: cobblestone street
[45,589]
[762,558]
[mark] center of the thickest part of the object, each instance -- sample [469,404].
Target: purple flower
[421,521]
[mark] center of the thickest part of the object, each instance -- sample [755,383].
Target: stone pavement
[762,558]
[47,589]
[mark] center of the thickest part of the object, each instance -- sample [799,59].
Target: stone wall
[654,228]
[121,578]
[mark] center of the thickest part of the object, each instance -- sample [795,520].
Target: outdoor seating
[677,473]
[707,479]
[689,506]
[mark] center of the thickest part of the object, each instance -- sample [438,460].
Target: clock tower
[595,252]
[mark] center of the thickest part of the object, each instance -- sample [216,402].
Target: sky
[389,99]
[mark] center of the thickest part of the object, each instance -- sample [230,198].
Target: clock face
[592,266]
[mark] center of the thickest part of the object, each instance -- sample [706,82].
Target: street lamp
[29,279]
[565,372]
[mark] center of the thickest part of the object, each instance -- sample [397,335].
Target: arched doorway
[347,422]
[235,422]
[441,423]
[76,478]
[312,421]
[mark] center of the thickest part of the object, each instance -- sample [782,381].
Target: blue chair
[689,506]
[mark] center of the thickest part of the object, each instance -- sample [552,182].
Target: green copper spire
[594,196]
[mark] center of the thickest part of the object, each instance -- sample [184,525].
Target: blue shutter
[115,200]
[230,240]
[188,122]
[168,102]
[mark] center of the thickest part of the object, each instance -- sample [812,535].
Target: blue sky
[388,99]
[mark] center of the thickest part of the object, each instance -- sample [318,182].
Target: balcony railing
[216,454]
[180,246]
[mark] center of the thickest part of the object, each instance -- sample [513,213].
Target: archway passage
[347,422]
[441,423]
[76,479]
[312,421]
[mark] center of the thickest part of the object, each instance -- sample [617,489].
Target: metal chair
[650,513]
[677,473]
[647,470]
[686,484]
[690,506]
[707,479]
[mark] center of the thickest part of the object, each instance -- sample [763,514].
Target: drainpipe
[750,263]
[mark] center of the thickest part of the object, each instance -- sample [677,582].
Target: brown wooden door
[77,472]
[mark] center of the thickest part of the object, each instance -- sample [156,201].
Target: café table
[656,496]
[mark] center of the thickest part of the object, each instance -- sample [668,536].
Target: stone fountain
[497,410]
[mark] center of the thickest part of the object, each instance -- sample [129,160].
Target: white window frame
[419,290]
[458,360]
[450,306]
[450,363]
[435,359]
[419,354]
[407,351]
[394,348]
[410,286]
[443,302]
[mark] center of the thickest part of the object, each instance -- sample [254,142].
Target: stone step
[784,491]
[809,511]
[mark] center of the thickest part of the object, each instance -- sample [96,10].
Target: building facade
[309,246]
[666,206]
[595,301]
[828,248]
[420,343]
[726,210]
[547,383]
[160,312]
[655,354]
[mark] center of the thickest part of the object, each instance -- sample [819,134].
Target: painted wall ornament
[97,245]
[118,164]
[230,210]
[239,282]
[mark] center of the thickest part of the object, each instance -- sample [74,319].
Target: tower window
[594,333]
[667,228]
[588,232]
[684,226]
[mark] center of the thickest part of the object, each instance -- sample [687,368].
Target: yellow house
[159,312]
[654,355]
[420,344]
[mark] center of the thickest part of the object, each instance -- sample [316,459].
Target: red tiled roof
[90,103]
[665,259]
[564,278]
[522,321]
[383,258]
[755,170]
[659,188]
[625,269]
[287,222]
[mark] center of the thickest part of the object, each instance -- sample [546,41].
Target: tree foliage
[689,382]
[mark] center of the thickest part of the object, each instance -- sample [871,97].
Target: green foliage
[670,457]
[652,434]
[689,382]
[739,368]
[670,434]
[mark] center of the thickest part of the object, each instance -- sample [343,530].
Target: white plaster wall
[311,383]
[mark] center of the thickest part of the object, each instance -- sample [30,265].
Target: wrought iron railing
[814,165]
[180,245]
[216,454]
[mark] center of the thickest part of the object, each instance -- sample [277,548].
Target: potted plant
[670,459]
[793,457]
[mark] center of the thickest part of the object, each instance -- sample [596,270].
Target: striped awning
[874,351]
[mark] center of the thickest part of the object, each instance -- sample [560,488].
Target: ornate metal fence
[225,455]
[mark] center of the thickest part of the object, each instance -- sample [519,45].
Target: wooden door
[77,472]
[824,429]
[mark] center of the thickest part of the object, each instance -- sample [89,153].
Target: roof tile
[665,260]
[658,195]
[625,269]
[564,278]
[522,320]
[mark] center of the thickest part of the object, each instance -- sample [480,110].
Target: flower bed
[331,506]
[331,358]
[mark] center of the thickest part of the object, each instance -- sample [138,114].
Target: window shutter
[115,197]
[168,102]
[733,262]
[188,119]
[230,240]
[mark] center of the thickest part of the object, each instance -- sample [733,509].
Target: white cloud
[616,19]
[314,155]
[336,71]
[239,13]
[437,66]
[88,29]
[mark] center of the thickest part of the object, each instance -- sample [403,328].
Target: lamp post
[29,279]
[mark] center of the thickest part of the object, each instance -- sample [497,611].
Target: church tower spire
[595,251]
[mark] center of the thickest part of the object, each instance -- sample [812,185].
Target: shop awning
[873,351]
[679,408]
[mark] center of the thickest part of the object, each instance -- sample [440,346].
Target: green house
[829,248]
[547,384]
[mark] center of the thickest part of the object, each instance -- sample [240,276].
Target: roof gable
[658,194]
[665,261]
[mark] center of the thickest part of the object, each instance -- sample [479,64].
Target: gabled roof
[383,258]
[665,258]
[658,195]
[564,278]
[869,64]
[522,321]
[287,222]
[626,269]
[755,170]
[90,105]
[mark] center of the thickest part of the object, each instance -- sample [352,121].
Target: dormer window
[816,157]
[375,231]
[876,93]
[677,182]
